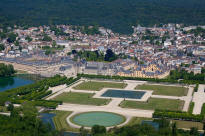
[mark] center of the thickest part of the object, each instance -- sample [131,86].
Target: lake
[7,83]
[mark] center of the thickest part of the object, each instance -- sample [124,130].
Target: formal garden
[154,103]
[97,86]
[164,90]
[81,98]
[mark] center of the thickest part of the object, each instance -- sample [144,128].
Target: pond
[124,94]
[155,125]
[89,119]
[7,83]
[47,118]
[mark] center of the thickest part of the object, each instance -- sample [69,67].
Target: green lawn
[60,121]
[97,86]
[81,98]
[137,120]
[154,103]
[188,124]
[164,90]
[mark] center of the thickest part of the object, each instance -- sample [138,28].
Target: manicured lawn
[81,98]
[60,121]
[97,86]
[154,103]
[164,90]
[137,120]
[188,124]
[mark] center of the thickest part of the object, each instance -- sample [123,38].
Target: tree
[10,107]
[194,131]
[83,132]
[46,38]
[2,47]
[12,37]
[96,129]
[28,38]
[174,129]
[2,35]
[110,55]
[6,70]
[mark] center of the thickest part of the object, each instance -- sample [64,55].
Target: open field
[164,90]
[60,121]
[188,124]
[97,86]
[154,103]
[81,98]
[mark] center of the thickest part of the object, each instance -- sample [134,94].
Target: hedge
[138,78]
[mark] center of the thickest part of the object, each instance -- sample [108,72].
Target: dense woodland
[24,121]
[6,70]
[119,15]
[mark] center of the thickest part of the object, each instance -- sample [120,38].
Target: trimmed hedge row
[177,115]
[36,91]
[138,78]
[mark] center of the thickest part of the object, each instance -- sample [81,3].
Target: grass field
[81,98]
[97,86]
[137,120]
[164,90]
[60,121]
[188,124]
[154,103]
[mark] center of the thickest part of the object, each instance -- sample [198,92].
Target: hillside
[118,15]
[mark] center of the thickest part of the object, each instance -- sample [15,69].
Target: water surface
[124,94]
[7,83]
[90,119]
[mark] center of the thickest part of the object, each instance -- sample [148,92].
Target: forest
[118,15]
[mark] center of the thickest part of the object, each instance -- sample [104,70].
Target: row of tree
[164,128]
[6,70]
[170,80]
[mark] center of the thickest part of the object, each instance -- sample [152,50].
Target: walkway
[60,91]
[199,99]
